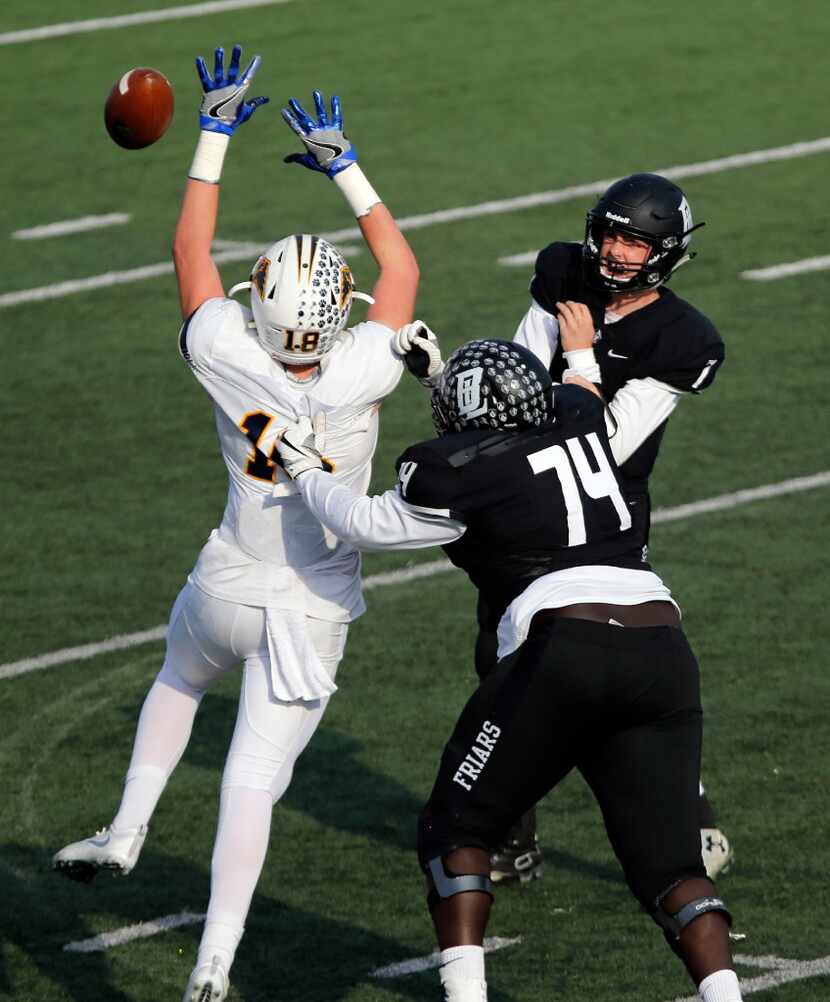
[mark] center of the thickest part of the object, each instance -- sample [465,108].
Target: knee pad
[673,925]
[446,885]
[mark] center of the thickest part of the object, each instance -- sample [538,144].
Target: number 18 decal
[597,484]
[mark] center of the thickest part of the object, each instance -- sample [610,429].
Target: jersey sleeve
[427,482]
[559,277]
[538,331]
[686,356]
[549,283]
[198,332]
[235,389]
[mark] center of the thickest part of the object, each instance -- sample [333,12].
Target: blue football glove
[224,107]
[329,151]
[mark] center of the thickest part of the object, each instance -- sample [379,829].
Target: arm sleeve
[538,331]
[638,409]
[384,522]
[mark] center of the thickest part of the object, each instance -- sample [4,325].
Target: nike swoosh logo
[613,354]
[335,149]
[217,109]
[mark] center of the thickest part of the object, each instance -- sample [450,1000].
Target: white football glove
[297,450]
[421,353]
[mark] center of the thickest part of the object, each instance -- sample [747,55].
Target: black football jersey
[533,501]
[667,340]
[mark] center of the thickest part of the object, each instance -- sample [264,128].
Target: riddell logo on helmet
[616,218]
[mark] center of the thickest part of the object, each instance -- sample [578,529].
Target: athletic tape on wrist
[356,189]
[580,359]
[209,157]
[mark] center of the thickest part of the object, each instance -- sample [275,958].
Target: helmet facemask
[301,296]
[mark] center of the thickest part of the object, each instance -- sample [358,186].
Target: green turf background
[111,477]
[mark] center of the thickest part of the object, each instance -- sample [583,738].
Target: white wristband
[209,157]
[583,362]
[357,191]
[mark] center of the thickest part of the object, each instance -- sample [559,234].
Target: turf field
[112,479]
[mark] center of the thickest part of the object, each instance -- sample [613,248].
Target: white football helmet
[301,295]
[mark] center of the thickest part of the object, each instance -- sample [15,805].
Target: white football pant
[206,638]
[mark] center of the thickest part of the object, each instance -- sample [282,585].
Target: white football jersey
[269,550]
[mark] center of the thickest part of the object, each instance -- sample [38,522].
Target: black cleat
[519,858]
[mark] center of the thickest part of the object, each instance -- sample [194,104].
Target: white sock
[238,857]
[462,974]
[162,734]
[219,939]
[722,986]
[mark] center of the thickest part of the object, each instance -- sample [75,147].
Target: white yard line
[418,964]
[722,502]
[785,270]
[779,972]
[127,934]
[754,158]
[725,501]
[234,250]
[129,20]
[518,260]
[68,226]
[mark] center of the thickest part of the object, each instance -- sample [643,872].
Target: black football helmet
[648,207]
[492,384]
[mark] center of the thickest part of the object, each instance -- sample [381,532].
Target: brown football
[139,108]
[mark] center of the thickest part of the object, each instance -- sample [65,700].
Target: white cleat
[107,849]
[716,851]
[208,983]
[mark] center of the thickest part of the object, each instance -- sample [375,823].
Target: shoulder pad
[558,274]
[198,331]
[688,352]
[426,479]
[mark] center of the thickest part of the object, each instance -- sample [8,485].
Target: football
[139,108]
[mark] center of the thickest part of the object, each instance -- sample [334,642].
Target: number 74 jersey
[533,502]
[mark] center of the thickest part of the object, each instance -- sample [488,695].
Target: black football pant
[622,705]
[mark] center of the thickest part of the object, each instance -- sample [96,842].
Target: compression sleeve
[383,522]
[638,409]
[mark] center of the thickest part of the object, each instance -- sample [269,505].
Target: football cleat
[516,862]
[716,851]
[208,983]
[107,849]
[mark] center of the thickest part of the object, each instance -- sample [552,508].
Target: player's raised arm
[330,152]
[223,110]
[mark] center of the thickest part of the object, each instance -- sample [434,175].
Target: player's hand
[224,107]
[421,353]
[329,151]
[297,450]
[576,326]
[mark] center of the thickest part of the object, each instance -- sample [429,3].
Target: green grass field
[112,479]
